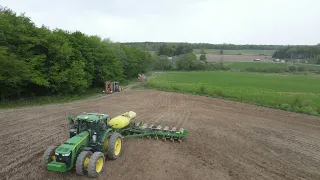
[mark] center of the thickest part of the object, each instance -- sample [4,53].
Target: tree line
[173,50]
[39,61]
[299,52]
[154,46]
[185,62]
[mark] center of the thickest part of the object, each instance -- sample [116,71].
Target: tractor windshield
[82,126]
[88,126]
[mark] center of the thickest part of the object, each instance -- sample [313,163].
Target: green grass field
[271,67]
[297,93]
[236,52]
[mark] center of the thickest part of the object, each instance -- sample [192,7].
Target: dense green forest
[38,61]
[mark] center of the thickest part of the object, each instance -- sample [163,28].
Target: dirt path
[228,140]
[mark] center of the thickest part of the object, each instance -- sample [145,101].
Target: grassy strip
[267,67]
[42,100]
[287,92]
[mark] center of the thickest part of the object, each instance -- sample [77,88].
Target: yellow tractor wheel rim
[99,164]
[117,147]
[86,162]
[105,146]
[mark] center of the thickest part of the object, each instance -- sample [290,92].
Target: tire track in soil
[26,153]
[228,140]
[164,108]
[185,111]
[158,104]
[144,110]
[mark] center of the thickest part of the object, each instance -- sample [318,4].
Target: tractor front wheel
[115,146]
[82,162]
[49,155]
[96,163]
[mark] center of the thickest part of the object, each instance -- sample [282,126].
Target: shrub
[291,68]
[309,110]
[218,93]
[174,88]
[297,102]
[285,106]
[203,57]
[300,68]
[201,89]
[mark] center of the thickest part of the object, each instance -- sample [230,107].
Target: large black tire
[82,162]
[96,164]
[115,146]
[49,155]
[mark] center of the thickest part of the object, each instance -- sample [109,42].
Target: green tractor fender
[104,140]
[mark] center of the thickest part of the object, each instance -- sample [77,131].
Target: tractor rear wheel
[82,162]
[96,163]
[115,146]
[49,155]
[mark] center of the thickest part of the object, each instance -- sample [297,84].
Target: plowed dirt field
[227,140]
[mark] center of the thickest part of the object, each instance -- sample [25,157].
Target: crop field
[246,55]
[298,93]
[271,67]
[238,52]
[235,58]
[228,140]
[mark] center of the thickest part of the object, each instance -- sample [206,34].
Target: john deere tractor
[95,137]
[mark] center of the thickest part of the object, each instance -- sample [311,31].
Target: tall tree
[203,56]
[39,61]
[187,62]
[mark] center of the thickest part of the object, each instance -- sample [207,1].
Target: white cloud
[212,21]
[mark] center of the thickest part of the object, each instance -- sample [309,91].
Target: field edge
[164,89]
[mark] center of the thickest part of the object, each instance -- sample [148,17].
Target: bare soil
[228,140]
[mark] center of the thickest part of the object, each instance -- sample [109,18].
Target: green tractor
[95,137]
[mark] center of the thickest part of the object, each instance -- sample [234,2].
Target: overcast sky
[210,21]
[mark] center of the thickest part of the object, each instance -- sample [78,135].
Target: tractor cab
[91,122]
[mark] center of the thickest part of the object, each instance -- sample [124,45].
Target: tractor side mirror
[71,121]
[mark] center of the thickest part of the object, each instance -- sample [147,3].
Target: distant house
[256,60]
[283,61]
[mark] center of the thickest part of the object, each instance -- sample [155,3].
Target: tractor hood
[66,148]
